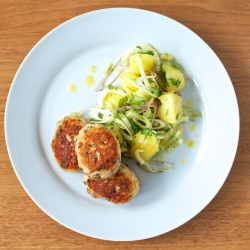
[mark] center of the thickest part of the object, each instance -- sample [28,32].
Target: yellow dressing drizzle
[72,87]
[190,143]
[192,127]
[189,102]
[89,80]
[92,68]
[183,161]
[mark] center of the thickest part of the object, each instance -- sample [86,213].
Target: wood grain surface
[225,222]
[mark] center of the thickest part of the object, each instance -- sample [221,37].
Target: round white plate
[39,97]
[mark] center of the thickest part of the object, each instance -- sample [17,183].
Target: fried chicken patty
[119,189]
[63,142]
[98,151]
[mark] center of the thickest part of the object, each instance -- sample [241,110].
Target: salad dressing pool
[92,68]
[89,80]
[72,87]
[190,143]
[189,102]
[192,127]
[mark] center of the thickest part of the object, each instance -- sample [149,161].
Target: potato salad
[142,105]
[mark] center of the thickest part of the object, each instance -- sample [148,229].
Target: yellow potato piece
[149,144]
[176,74]
[170,109]
[126,86]
[113,99]
[147,63]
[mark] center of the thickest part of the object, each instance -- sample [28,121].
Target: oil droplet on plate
[72,88]
[183,161]
[92,68]
[189,102]
[192,127]
[190,143]
[89,80]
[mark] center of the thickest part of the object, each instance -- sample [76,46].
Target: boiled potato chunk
[126,86]
[113,99]
[147,143]
[147,63]
[170,109]
[174,77]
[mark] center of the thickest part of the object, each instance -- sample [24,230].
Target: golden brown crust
[119,189]
[63,143]
[98,151]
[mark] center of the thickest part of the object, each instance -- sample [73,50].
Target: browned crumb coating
[63,144]
[118,189]
[98,151]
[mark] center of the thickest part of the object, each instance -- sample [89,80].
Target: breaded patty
[118,189]
[63,143]
[98,151]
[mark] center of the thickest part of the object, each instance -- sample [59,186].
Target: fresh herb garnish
[100,115]
[167,130]
[123,144]
[109,125]
[151,81]
[137,100]
[135,128]
[117,115]
[177,116]
[157,91]
[139,47]
[150,52]
[93,120]
[175,82]
[175,65]
[147,132]
[160,77]
[122,101]
[110,86]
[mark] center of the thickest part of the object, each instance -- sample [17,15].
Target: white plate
[39,97]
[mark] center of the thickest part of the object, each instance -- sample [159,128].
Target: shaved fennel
[134,110]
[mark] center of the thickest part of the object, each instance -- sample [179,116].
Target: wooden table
[225,222]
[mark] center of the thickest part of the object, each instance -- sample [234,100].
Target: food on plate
[166,57]
[98,151]
[137,115]
[119,189]
[63,142]
[170,110]
[174,77]
[95,150]
[191,113]
[147,62]
[145,145]
[143,105]
[126,86]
